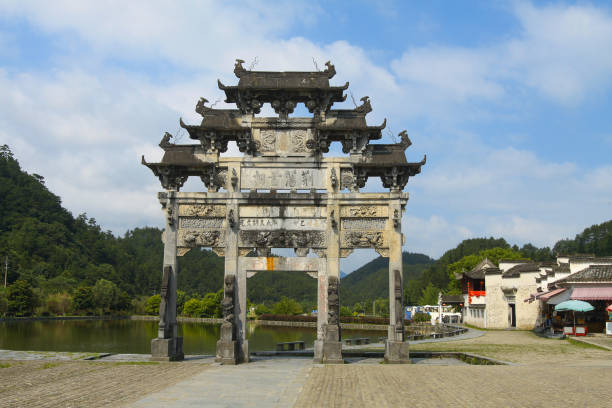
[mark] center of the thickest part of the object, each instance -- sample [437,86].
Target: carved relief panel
[364,211]
[284,142]
[282,239]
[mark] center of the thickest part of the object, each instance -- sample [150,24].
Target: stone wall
[475,316]
[528,315]
[497,305]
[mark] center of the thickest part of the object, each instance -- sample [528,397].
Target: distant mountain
[371,281]
[343,274]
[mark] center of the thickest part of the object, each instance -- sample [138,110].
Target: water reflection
[133,336]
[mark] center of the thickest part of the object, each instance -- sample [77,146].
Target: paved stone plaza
[546,373]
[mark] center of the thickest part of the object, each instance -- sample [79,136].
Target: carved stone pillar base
[328,352]
[397,352]
[227,352]
[167,349]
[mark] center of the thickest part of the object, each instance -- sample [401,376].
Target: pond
[134,336]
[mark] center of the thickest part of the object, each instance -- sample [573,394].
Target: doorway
[512,315]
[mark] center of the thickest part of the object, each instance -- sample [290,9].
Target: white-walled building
[516,292]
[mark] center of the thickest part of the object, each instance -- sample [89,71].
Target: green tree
[82,299]
[105,295]
[287,306]
[59,304]
[21,299]
[345,311]
[429,295]
[152,307]
[181,298]
[3,301]
[211,304]
[468,262]
[261,309]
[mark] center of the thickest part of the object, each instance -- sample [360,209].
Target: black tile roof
[594,273]
[523,267]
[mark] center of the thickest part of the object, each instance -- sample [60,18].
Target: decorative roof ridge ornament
[164,143]
[365,107]
[330,70]
[405,140]
[239,70]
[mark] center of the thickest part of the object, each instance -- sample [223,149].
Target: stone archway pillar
[168,346]
[396,349]
[328,346]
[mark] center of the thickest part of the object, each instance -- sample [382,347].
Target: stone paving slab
[269,382]
[354,386]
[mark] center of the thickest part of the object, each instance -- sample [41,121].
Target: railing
[475,293]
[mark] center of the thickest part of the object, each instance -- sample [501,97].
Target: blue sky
[509,100]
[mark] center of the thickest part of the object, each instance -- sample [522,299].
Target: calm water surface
[134,336]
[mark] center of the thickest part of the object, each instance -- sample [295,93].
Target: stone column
[234,349]
[168,346]
[328,346]
[396,350]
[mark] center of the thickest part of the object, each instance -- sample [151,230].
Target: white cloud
[562,52]
[84,124]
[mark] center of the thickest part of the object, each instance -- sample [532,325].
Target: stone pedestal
[227,348]
[167,349]
[397,352]
[329,350]
[227,352]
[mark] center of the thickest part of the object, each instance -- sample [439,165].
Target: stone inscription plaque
[282,212]
[364,223]
[196,223]
[282,179]
[282,223]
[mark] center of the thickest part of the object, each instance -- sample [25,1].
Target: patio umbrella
[574,306]
[609,308]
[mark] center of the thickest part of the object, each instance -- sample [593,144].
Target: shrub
[21,299]
[139,305]
[82,299]
[261,309]
[59,304]
[287,306]
[105,295]
[421,317]
[152,307]
[192,308]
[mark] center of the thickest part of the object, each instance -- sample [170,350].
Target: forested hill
[56,252]
[371,281]
[597,240]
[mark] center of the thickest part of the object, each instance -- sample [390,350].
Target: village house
[520,293]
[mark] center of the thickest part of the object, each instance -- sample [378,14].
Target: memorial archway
[283,193]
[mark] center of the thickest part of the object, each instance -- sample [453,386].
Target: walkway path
[548,373]
[270,382]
